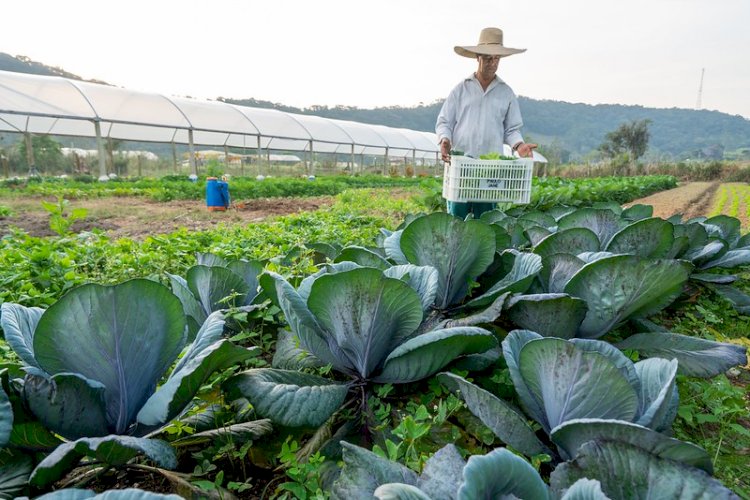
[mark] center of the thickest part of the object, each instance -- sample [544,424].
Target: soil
[139,217]
[691,199]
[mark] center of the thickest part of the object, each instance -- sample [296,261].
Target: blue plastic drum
[217,194]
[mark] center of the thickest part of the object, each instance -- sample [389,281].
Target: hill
[566,130]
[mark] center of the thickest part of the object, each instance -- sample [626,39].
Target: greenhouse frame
[50,105]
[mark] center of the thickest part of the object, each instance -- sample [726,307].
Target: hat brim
[486,50]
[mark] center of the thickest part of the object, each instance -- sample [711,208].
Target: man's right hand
[445,150]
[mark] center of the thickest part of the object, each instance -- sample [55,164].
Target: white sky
[395,52]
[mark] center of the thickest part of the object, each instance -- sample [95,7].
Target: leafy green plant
[216,284]
[364,323]
[60,217]
[94,382]
[305,481]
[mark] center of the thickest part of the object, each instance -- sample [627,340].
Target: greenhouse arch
[48,105]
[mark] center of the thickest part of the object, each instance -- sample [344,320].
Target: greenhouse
[44,105]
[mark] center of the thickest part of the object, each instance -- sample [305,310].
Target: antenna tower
[700,90]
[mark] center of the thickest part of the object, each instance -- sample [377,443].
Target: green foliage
[305,480]
[629,137]
[60,217]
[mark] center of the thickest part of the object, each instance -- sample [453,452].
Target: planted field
[358,349]
[733,199]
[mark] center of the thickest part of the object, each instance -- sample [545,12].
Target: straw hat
[490,44]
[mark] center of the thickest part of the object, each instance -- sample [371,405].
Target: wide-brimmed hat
[490,44]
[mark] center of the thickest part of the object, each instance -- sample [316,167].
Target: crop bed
[333,352]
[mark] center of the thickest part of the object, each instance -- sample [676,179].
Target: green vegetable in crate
[495,156]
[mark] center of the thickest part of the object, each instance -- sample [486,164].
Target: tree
[630,137]
[47,154]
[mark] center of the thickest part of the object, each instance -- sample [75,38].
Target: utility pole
[700,90]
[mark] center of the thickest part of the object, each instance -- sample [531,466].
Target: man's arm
[446,120]
[513,124]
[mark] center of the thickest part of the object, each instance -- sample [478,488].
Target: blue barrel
[217,194]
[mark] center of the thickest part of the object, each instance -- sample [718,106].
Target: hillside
[566,130]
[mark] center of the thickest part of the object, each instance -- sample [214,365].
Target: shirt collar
[472,77]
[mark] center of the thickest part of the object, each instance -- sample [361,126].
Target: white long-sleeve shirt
[479,122]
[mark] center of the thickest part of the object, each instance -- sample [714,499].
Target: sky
[368,54]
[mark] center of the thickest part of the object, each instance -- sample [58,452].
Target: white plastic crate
[468,179]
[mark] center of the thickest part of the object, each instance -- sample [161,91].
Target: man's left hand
[526,149]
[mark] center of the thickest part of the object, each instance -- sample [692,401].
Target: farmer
[481,113]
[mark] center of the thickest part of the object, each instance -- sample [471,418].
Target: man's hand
[445,149]
[526,149]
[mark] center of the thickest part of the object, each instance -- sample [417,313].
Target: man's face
[488,65]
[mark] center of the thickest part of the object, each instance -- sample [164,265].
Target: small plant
[305,476]
[60,217]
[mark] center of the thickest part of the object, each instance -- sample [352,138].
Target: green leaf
[193,310]
[441,476]
[124,336]
[400,491]
[585,489]
[650,238]
[549,314]
[423,279]
[702,254]
[33,436]
[729,228]
[603,222]
[210,285]
[571,435]
[15,469]
[626,471]
[426,354]
[501,474]
[6,418]
[179,390]
[112,450]
[658,396]
[569,383]
[289,356]
[304,325]
[392,245]
[519,278]
[729,260]
[124,494]
[19,323]
[236,433]
[623,286]
[363,257]
[249,272]
[68,404]
[502,419]
[740,301]
[512,345]
[289,398]
[364,471]
[696,357]
[638,212]
[365,314]
[459,250]
[210,260]
[557,269]
[571,241]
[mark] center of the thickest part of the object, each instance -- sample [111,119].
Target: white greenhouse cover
[60,106]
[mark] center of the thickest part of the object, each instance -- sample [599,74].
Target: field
[257,407]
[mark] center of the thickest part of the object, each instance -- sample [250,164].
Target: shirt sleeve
[513,123]
[446,120]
